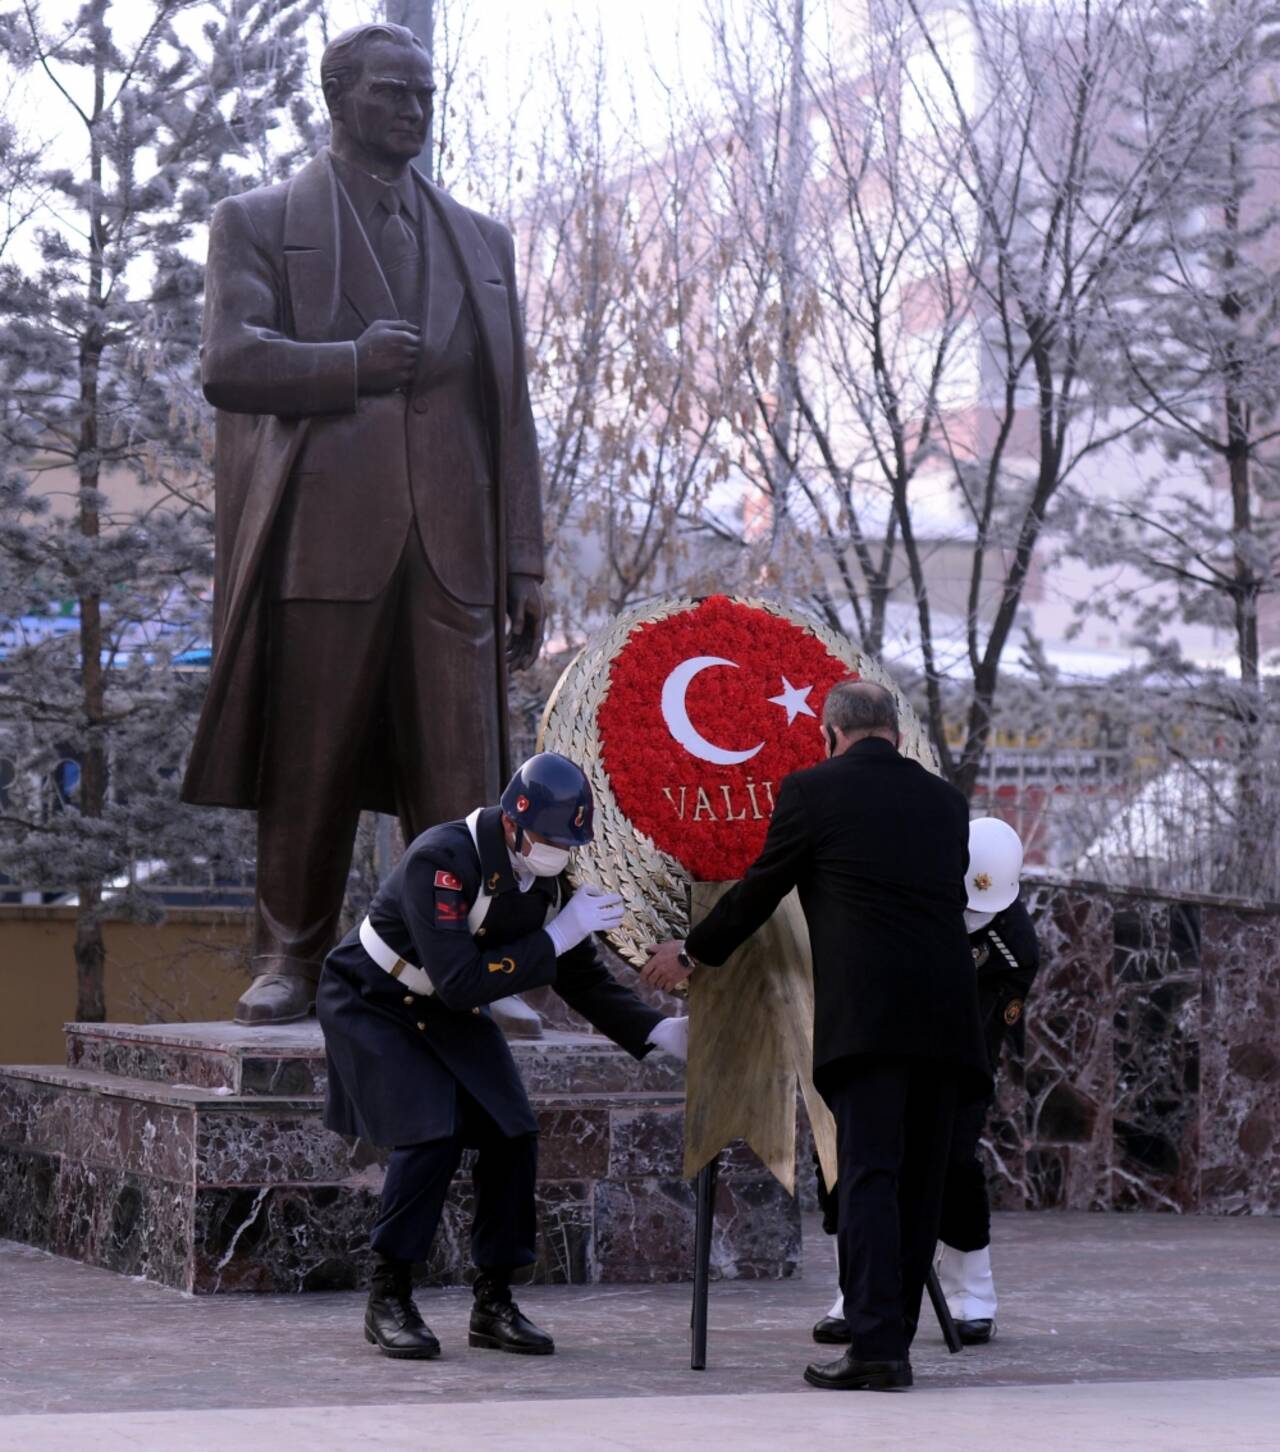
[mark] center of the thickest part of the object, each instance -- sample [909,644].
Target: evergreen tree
[151,112]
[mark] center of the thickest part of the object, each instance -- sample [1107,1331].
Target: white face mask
[973,921]
[544,860]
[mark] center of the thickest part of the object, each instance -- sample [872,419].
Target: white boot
[966,1281]
[836,1313]
[837,1306]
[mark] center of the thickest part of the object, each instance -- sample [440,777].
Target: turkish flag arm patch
[448,881]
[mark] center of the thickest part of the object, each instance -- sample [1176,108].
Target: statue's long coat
[306,466]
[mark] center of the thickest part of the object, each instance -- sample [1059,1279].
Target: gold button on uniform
[421,1026]
[475,1010]
[408,999]
[479,932]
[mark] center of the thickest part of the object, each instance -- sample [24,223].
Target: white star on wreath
[794,700]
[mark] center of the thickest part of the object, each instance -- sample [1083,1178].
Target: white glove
[672,1037]
[589,910]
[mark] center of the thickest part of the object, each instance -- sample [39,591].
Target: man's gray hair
[857,707]
[344,55]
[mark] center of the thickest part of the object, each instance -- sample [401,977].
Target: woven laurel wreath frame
[653,884]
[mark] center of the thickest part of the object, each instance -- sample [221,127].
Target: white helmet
[995,864]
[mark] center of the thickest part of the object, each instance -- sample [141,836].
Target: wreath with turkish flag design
[686,716]
[705,713]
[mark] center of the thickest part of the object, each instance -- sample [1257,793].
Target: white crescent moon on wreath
[675,711]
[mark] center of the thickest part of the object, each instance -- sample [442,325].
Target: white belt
[416,980]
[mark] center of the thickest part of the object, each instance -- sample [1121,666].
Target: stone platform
[1156,1333]
[194,1155]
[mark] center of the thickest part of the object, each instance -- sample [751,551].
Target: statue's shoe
[276,998]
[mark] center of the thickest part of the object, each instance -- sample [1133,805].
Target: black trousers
[966,1210]
[893,1131]
[504,1230]
[414,658]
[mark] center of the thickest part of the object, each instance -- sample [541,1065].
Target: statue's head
[378,87]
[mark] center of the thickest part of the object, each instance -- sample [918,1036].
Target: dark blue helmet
[551,796]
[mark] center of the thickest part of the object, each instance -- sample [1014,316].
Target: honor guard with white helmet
[995,865]
[474,911]
[1006,957]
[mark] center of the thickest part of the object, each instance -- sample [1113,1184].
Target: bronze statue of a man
[378,506]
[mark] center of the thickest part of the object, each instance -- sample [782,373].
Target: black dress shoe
[976,1333]
[498,1325]
[276,998]
[832,1331]
[391,1320]
[850,1374]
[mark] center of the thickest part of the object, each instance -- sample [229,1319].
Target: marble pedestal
[194,1155]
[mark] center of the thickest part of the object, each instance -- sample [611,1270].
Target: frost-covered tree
[1064,192]
[1199,345]
[1197,361]
[144,116]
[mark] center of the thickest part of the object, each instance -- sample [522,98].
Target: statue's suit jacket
[322,486]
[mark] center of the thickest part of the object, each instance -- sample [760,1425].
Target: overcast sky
[671,34]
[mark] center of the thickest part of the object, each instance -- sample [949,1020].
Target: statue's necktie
[398,253]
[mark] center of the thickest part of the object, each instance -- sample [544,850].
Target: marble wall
[1147,1078]
[1149,1074]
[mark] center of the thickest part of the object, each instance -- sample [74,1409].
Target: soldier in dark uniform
[475,910]
[1006,957]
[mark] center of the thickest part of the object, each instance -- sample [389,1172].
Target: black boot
[496,1322]
[976,1333]
[850,1374]
[391,1320]
[832,1331]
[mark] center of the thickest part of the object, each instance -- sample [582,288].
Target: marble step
[208,1189]
[288,1059]
[191,1135]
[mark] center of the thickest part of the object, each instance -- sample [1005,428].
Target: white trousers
[966,1281]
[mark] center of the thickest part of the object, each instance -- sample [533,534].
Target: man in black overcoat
[1006,955]
[877,846]
[378,505]
[476,909]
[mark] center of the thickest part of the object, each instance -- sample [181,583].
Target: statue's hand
[387,355]
[527,613]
